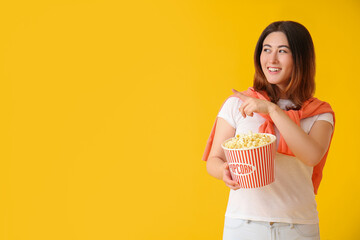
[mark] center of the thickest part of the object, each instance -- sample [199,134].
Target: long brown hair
[302,84]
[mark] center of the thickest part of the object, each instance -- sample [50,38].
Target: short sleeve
[326,117]
[229,109]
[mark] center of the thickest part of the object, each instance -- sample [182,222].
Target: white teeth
[274,69]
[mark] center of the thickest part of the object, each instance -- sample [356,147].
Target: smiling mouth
[272,69]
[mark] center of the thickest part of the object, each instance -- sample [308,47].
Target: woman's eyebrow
[280,46]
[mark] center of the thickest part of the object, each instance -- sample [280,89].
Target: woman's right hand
[228,179]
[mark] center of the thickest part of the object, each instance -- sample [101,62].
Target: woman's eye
[282,51]
[266,50]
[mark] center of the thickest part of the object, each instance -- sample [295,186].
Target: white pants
[239,229]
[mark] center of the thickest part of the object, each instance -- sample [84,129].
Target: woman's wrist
[273,108]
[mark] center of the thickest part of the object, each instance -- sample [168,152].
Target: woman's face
[276,59]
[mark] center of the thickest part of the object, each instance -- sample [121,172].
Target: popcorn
[250,140]
[251,159]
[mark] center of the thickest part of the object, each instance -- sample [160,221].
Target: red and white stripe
[262,161]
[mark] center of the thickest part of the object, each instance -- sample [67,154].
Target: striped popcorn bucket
[252,167]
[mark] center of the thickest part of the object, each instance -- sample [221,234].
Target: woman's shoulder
[232,101]
[316,102]
[230,105]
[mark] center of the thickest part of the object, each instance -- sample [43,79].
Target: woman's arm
[216,164]
[308,148]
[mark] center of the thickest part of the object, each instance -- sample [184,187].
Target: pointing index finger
[240,95]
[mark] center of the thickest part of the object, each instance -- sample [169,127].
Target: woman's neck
[283,95]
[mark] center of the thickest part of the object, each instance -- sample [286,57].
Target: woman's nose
[273,57]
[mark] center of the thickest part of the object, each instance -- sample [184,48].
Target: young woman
[280,102]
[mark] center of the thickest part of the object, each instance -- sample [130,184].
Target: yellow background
[106,107]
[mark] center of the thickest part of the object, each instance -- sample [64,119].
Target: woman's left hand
[252,105]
